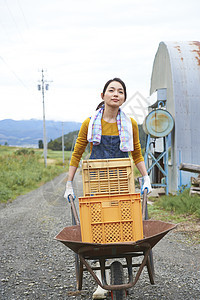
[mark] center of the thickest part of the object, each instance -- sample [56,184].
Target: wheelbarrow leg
[103,272]
[149,269]
[151,262]
[80,276]
[129,267]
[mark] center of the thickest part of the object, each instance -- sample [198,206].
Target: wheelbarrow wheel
[117,278]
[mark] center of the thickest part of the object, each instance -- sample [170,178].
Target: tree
[55,145]
[68,142]
[40,144]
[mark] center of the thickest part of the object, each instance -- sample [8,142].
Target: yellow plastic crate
[108,176]
[111,218]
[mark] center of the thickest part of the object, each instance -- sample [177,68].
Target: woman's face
[114,95]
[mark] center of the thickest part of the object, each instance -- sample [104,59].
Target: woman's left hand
[146,185]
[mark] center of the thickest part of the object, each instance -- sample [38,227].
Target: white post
[44,127]
[63,144]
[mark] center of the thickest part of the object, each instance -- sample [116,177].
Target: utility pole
[63,144]
[42,87]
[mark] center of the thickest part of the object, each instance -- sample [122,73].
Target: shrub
[24,151]
[5,193]
[182,203]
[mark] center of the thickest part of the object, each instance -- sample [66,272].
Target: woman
[103,132]
[111,135]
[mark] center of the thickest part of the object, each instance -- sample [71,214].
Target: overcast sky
[81,44]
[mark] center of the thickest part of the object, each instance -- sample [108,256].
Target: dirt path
[35,266]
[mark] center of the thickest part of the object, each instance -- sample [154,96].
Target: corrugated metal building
[176,68]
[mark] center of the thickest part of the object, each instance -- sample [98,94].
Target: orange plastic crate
[108,176]
[111,218]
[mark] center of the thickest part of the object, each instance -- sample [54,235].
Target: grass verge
[181,209]
[23,170]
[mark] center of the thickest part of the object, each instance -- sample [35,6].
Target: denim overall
[108,148]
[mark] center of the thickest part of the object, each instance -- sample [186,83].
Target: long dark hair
[107,84]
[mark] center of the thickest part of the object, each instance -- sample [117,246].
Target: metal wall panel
[177,68]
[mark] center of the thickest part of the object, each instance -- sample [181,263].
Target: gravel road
[35,266]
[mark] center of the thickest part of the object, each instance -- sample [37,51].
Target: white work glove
[69,190]
[146,184]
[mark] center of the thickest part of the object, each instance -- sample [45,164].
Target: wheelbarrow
[86,253]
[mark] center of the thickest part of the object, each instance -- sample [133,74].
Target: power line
[4,28]
[12,17]
[13,72]
[22,12]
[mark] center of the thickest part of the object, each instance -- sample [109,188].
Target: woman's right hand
[146,185]
[69,190]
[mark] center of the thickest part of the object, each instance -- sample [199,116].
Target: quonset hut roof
[177,68]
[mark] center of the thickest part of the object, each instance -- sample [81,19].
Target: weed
[183,203]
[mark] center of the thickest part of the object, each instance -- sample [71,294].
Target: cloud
[82,44]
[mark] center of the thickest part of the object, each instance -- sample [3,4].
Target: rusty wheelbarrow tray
[154,231]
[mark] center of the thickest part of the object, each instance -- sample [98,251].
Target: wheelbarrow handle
[74,211]
[144,204]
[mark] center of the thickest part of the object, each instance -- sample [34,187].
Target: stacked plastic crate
[110,211]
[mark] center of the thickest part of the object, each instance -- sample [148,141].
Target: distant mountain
[28,132]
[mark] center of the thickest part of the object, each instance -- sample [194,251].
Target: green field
[23,170]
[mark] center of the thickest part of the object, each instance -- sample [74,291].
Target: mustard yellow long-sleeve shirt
[107,129]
